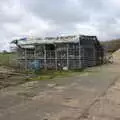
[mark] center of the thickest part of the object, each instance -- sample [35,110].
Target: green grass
[51,74]
[6,58]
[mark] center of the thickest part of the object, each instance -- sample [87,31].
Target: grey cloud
[95,5]
[55,17]
[66,14]
[65,11]
[60,11]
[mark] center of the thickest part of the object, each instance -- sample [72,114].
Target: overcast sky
[20,18]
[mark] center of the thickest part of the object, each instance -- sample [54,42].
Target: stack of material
[116,56]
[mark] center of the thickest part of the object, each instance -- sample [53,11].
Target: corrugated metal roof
[48,40]
[30,42]
[28,46]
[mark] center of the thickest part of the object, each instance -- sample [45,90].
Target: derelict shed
[66,52]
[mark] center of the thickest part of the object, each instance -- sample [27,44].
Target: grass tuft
[51,74]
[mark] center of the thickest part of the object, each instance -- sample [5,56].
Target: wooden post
[35,57]
[79,54]
[56,57]
[35,53]
[26,59]
[45,58]
[68,55]
[94,57]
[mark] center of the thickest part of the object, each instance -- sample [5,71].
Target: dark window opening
[50,47]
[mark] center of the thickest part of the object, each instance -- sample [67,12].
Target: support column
[35,58]
[35,53]
[45,58]
[68,56]
[56,66]
[79,55]
[94,57]
[26,61]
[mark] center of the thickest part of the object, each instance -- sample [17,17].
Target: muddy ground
[92,95]
[10,77]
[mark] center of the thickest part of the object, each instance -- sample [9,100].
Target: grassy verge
[51,74]
[5,58]
[47,75]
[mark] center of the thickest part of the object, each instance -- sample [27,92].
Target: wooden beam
[35,55]
[26,61]
[68,55]
[56,57]
[45,58]
[79,55]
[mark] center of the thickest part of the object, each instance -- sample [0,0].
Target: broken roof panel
[28,46]
[48,40]
[30,42]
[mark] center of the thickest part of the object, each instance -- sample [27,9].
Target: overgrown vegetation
[6,58]
[50,74]
[111,45]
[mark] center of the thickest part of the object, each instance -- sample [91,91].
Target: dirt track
[93,95]
[9,77]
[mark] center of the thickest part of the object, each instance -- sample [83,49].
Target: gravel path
[92,95]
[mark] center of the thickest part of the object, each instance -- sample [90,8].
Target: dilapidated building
[65,52]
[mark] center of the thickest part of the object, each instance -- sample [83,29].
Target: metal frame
[70,55]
